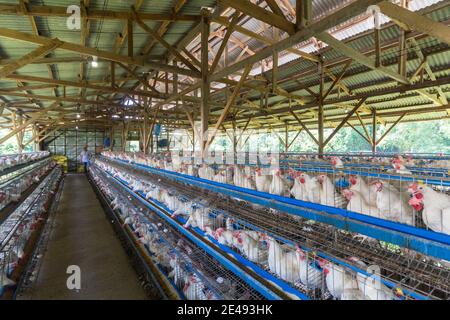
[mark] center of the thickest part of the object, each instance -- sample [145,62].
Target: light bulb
[94,62]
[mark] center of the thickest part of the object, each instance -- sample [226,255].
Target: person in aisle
[84,157]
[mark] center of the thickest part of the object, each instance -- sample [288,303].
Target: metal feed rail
[427,242]
[267,292]
[182,188]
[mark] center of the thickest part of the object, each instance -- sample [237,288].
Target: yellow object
[62,160]
[81,169]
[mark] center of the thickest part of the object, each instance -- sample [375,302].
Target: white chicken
[284,264]
[309,275]
[370,286]
[435,205]
[312,187]
[247,179]
[248,246]
[399,167]
[278,185]
[336,162]
[238,176]
[338,279]
[359,184]
[206,172]
[298,190]
[262,181]
[327,192]
[392,204]
[357,203]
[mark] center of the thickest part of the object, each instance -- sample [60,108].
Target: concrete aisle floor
[82,236]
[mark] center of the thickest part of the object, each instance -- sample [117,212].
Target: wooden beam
[141,80]
[351,10]
[230,102]
[25,88]
[347,117]
[273,5]
[68,46]
[205,81]
[30,57]
[358,132]
[320,113]
[359,57]
[259,13]
[243,130]
[223,45]
[403,52]
[372,94]
[363,126]
[50,133]
[414,21]
[373,141]
[391,127]
[86,85]
[130,36]
[295,138]
[337,79]
[61,11]
[163,42]
[34,116]
[303,10]
[113,74]
[74,99]
[304,127]
[172,69]
[224,21]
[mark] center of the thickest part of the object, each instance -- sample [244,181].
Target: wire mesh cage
[401,270]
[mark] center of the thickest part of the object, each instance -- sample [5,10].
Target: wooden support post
[204,108]
[130,37]
[113,74]
[167,138]
[274,72]
[320,113]
[403,54]
[374,130]
[377,48]
[303,10]
[286,139]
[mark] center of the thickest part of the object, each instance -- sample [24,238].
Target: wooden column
[374,130]
[204,108]
[130,37]
[286,139]
[111,137]
[320,113]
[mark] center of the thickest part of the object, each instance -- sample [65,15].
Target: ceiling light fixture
[94,62]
